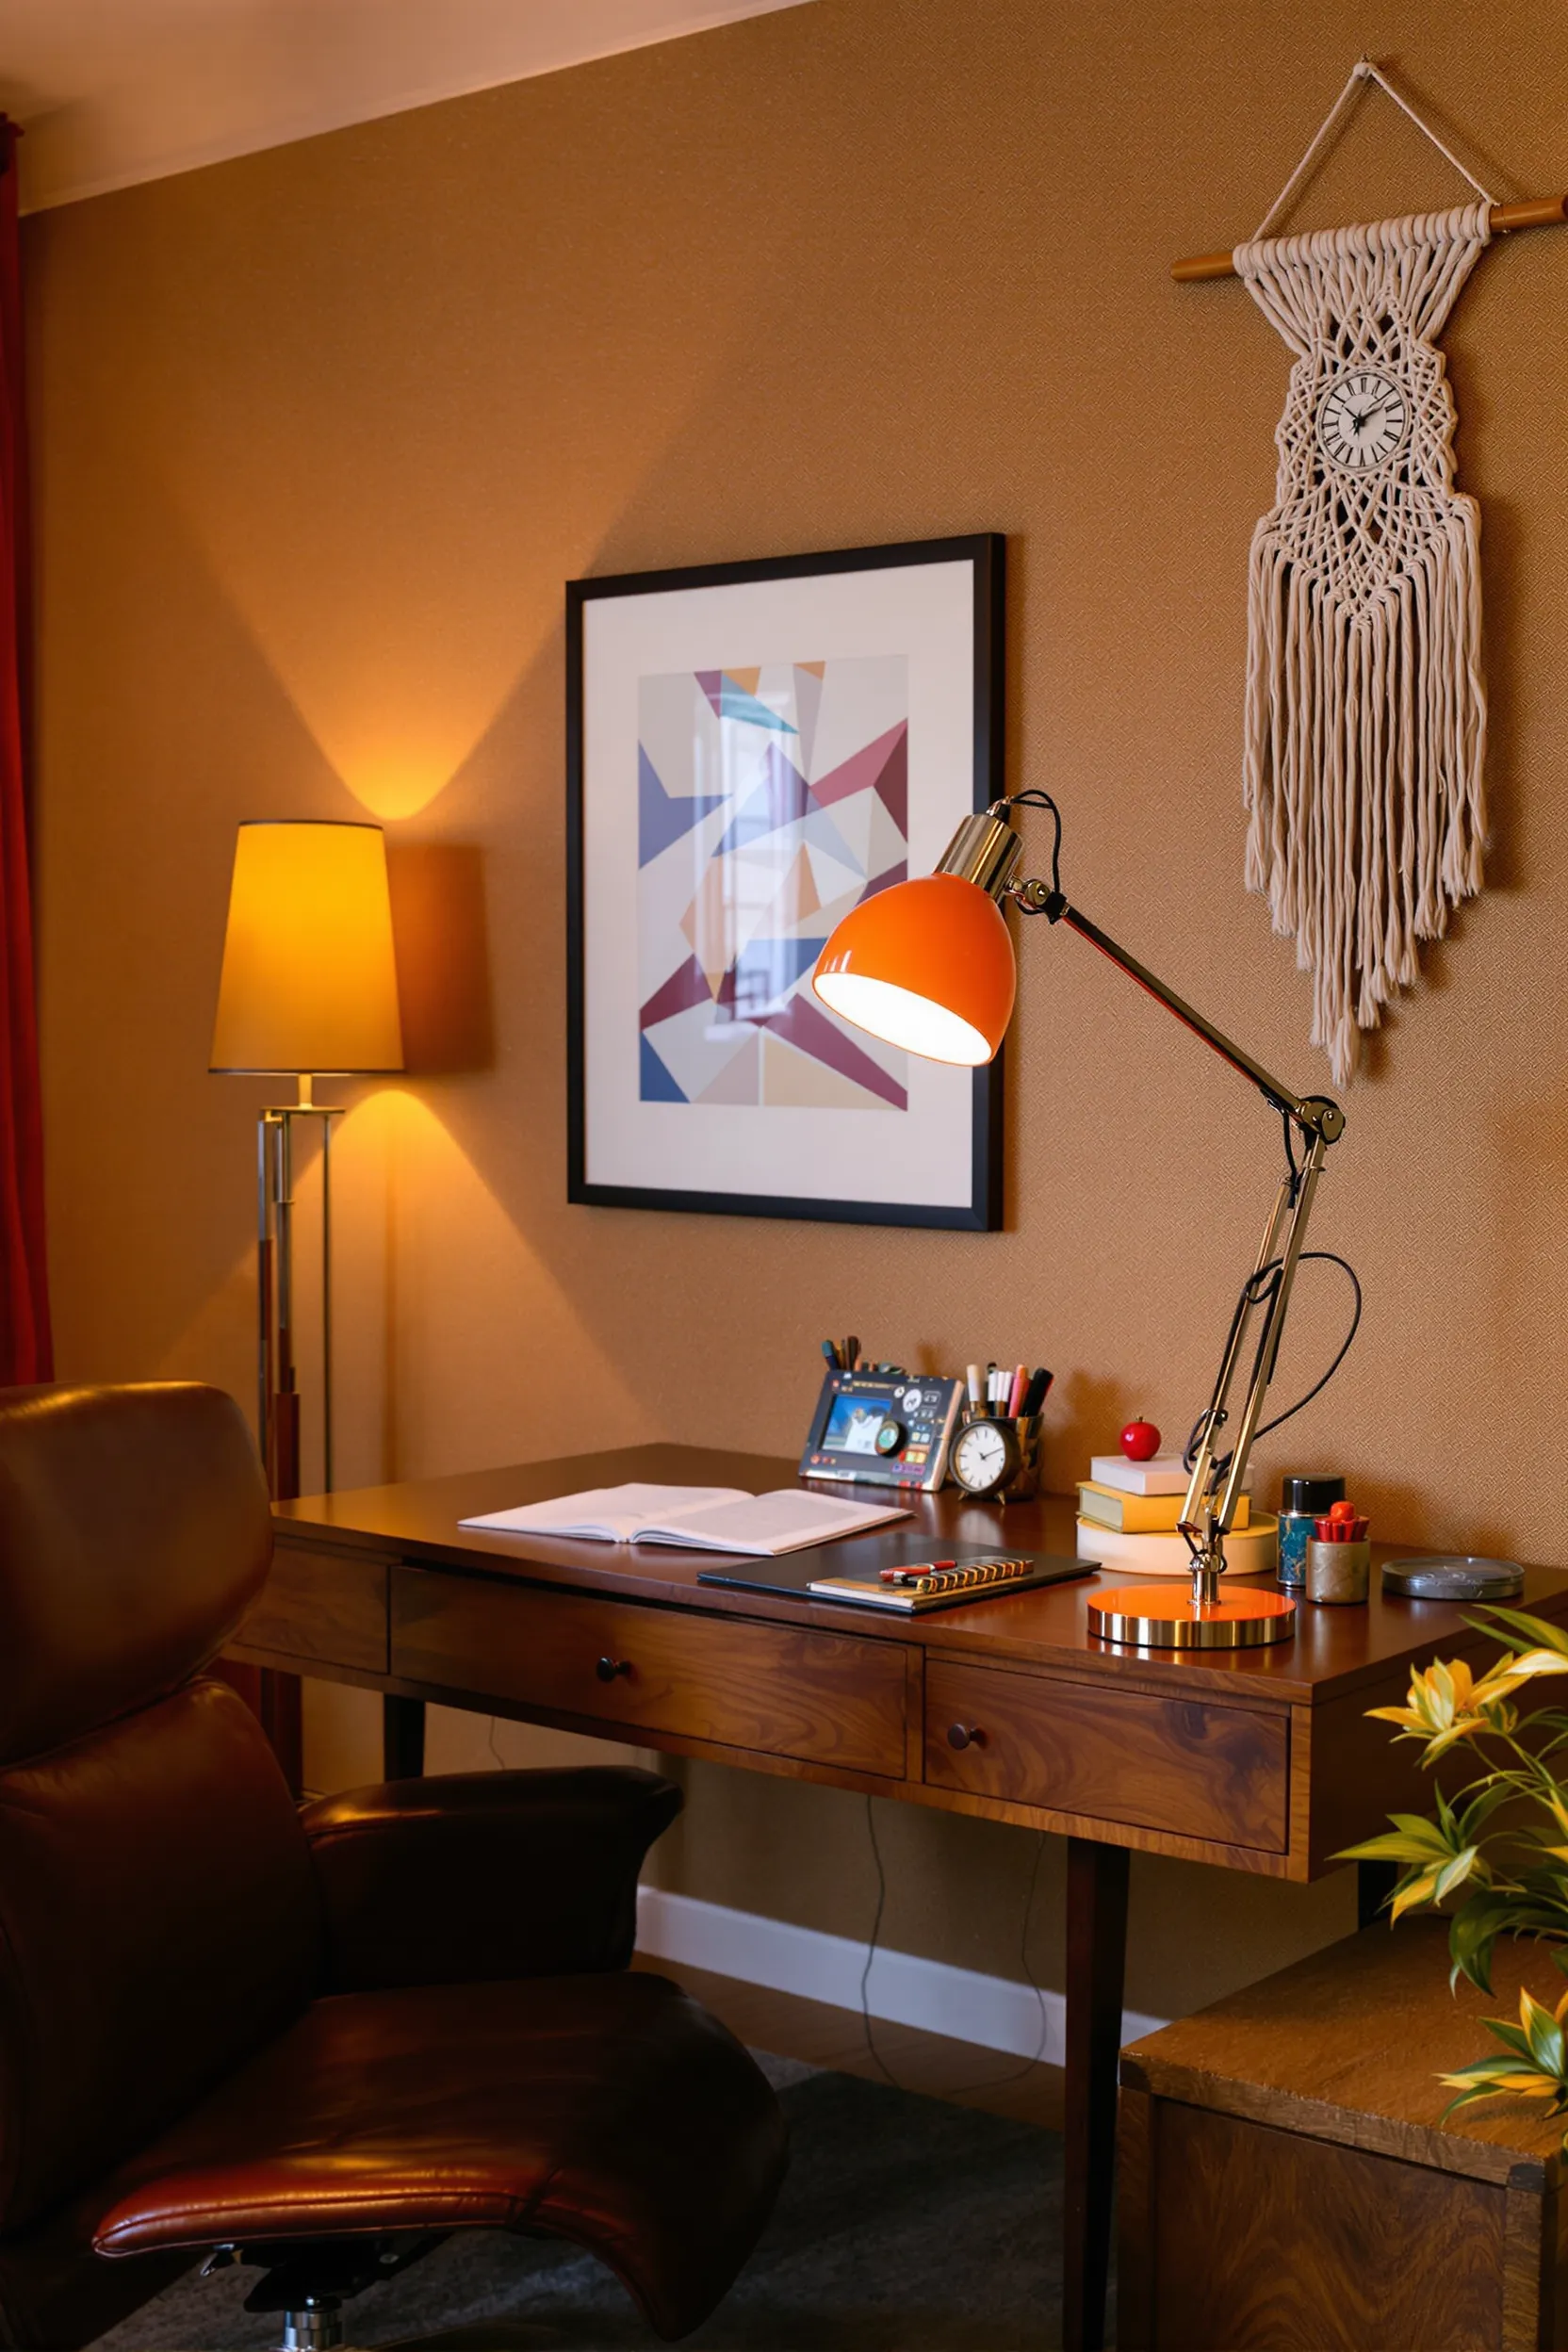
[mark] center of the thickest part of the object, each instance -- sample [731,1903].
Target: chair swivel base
[1151,1617]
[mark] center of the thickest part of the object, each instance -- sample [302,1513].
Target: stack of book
[1128,1513]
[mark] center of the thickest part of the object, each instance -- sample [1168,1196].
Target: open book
[709,1518]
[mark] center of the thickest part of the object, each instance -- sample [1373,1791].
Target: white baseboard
[991,2011]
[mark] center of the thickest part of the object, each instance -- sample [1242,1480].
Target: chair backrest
[157,1913]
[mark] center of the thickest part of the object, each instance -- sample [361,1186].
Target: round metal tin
[1454,1576]
[1151,1617]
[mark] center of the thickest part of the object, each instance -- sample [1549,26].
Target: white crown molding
[159,87]
[992,2012]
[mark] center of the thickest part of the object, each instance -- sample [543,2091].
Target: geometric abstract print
[770,800]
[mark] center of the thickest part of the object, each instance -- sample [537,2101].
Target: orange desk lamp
[308,987]
[928,965]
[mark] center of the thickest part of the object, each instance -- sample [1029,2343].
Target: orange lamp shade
[927,964]
[309,983]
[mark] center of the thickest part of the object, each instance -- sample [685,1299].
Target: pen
[852,1354]
[1040,1388]
[830,1356]
[1021,1388]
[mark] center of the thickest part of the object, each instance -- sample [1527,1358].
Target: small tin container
[1338,1572]
[1301,1502]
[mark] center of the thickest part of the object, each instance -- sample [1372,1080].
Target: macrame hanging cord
[1365,730]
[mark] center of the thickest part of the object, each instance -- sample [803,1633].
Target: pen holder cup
[1338,1572]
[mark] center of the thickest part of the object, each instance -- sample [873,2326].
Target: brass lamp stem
[980,851]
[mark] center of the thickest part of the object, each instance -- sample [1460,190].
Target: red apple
[1140,1440]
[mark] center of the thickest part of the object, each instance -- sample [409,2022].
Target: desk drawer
[1117,1756]
[824,1697]
[322,1604]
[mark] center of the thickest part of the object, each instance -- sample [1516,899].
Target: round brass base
[1151,1617]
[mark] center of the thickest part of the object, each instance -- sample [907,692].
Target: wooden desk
[1257,1760]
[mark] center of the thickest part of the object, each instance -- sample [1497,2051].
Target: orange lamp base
[1151,1617]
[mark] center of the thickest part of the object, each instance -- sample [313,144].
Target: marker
[914,1575]
[1021,1385]
[972,1375]
[852,1353]
[830,1356]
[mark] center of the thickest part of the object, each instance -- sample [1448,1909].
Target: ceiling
[113,92]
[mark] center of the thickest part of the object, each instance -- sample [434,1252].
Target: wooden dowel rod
[1535,212]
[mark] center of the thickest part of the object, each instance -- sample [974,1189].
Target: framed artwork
[752,749]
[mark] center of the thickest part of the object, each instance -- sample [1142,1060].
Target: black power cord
[1257,1289]
[990,2082]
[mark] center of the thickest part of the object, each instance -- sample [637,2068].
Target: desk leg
[1095,1963]
[403,1739]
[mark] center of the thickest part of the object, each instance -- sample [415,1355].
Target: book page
[788,1520]
[611,1514]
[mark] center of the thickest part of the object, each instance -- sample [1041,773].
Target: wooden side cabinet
[1287,2181]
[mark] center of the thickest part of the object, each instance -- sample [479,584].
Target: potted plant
[1499,1841]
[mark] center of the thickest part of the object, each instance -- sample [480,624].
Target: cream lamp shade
[308,982]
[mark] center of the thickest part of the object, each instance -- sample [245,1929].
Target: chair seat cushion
[611,2110]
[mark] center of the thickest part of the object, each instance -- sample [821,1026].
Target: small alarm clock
[985,1456]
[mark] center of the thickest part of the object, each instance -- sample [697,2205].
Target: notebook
[705,1518]
[852,1573]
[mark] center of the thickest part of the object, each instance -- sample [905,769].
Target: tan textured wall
[321,432]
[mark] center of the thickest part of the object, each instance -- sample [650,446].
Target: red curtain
[26,1353]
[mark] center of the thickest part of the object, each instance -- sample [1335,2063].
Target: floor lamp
[308,987]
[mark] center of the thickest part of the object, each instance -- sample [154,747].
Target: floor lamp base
[1150,1617]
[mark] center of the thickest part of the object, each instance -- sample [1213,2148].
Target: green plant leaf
[1423,1843]
[1454,1873]
[1545,2035]
[1513,2038]
[1519,1631]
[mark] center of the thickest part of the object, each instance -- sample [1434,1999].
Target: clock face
[980,1457]
[1362,420]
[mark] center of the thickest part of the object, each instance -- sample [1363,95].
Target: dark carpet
[905,2225]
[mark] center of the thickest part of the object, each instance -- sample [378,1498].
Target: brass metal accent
[1194,1631]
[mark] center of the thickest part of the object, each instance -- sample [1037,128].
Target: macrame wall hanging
[1365,723]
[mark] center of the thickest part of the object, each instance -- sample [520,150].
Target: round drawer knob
[608,1668]
[965,1735]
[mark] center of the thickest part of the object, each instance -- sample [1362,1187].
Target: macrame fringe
[1365,746]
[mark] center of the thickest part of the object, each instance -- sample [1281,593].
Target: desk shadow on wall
[442,941]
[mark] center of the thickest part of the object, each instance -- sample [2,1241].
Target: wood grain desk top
[1335,1651]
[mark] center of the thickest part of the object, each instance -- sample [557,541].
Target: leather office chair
[321,2040]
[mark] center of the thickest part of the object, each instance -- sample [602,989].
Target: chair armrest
[469,1876]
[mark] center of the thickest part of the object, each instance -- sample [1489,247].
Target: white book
[1164,1475]
[706,1518]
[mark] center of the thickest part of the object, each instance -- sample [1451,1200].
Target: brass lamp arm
[986,850]
[1313,1113]
[1207,1518]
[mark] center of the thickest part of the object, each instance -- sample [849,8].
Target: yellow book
[1137,1514]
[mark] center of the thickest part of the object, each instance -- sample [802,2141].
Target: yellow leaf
[1537,1662]
[1419,1890]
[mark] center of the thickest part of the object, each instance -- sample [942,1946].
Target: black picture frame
[986,553]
